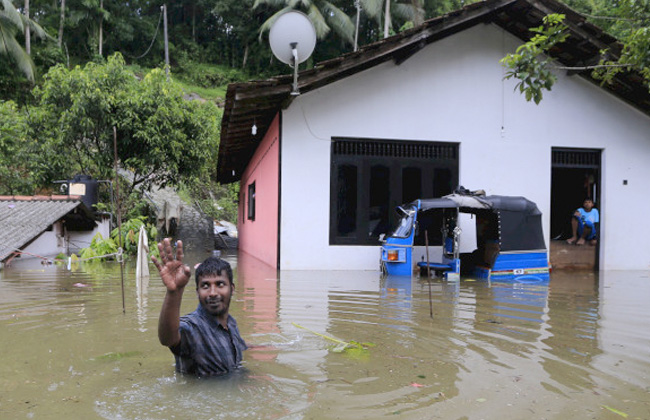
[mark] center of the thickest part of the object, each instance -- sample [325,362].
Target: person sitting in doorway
[583,224]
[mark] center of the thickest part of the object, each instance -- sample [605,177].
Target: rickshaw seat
[435,266]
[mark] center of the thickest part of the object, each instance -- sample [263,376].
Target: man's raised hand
[173,272]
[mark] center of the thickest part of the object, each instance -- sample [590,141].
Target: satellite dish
[293,39]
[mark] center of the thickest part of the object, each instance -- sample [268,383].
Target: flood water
[577,347]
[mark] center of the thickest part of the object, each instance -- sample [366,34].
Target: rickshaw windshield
[405,225]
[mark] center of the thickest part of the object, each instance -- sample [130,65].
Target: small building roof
[23,218]
[259,101]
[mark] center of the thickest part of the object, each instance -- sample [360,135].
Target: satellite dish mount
[291,32]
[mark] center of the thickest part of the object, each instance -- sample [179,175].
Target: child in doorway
[583,224]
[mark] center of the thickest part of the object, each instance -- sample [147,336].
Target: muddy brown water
[577,347]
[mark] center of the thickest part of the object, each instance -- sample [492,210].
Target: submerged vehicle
[504,232]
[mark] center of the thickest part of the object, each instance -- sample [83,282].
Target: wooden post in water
[426,245]
[119,217]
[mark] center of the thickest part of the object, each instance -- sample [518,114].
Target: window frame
[251,202]
[398,155]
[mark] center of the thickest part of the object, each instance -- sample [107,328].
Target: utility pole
[164,7]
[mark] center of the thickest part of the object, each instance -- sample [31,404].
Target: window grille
[402,149]
[576,158]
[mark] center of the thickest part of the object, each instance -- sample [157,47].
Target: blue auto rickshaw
[509,239]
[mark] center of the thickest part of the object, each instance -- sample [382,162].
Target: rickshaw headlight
[392,255]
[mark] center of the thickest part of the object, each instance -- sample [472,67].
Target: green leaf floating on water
[118,355]
[613,410]
[351,348]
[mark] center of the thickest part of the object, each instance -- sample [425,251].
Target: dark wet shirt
[207,348]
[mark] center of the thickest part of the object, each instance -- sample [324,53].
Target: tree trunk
[387,19]
[28,41]
[194,23]
[243,65]
[419,13]
[101,27]
[61,22]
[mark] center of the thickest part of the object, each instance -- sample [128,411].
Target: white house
[424,111]
[45,226]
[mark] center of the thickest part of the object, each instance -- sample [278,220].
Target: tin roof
[259,101]
[23,218]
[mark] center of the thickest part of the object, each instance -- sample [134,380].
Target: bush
[208,76]
[100,246]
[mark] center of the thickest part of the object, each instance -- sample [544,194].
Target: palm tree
[12,22]
[387,9]
[323,14]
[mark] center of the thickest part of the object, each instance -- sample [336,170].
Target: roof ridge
[52,197]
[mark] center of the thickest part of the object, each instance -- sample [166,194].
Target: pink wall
[259,237]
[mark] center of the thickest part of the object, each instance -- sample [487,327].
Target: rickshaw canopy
[519,220]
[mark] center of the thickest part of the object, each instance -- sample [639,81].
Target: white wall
[79,240]
[453,91]
[51,243]
[47,244]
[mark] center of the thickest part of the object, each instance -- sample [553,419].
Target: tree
[323,14]
[161,137]
[388,10]
[629,20]
[15,151]
[12,22]
[534,73]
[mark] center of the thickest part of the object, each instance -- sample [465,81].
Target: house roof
[259,101]
[23,218]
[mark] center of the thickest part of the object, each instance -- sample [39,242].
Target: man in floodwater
[583,224]
[205,342]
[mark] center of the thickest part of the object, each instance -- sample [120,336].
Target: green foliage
[527,64]
[625,19]
[99,246]
[324,15]
[11,25]
[130,233]
[15,151]
[207,76]
[215,200]
[634,32]
[352,348]
[161,137]
[114,356]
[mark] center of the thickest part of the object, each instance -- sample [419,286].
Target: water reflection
[142,291]
[567,348]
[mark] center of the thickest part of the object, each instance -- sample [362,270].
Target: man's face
[588,205]
[214,294]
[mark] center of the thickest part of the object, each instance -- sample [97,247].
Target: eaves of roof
[23,218]
[259,101]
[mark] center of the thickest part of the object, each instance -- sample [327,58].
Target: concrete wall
[259,237]
[453,90]
[47,244]
[80,240]
[51,243]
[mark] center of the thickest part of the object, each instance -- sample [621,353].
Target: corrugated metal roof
[23,218]
[259,101]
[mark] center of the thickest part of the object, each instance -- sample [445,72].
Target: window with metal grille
[369,178]
[393,149]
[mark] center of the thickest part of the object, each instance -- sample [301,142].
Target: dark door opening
[575,175]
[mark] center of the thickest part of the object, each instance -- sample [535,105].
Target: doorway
[575,175]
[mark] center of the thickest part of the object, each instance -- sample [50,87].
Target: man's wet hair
[213,266]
